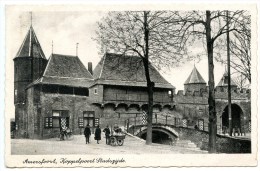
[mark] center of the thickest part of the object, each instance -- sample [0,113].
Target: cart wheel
[70,136]
[120,142]
[113,141]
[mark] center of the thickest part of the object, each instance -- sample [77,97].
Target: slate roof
[65,70]
[195,77]
[116,69]
[222,81]
[30,46]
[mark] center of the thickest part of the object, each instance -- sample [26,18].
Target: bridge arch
[159,132]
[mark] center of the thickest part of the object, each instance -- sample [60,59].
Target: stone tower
[29,65]
[195,82]
[223,84]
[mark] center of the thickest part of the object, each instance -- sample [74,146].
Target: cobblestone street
[77,145]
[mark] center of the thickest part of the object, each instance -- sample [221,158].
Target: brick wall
[224,144]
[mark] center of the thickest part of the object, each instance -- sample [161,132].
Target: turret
[29,65]
[223,84]
[195,82]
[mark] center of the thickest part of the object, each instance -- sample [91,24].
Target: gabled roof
[195,77]
[30,46]
[116,69]
[66,70]
[222,81]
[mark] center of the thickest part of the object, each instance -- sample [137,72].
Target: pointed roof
[65,70]
[117,69]
[195,77]
[30,46]
[222,81]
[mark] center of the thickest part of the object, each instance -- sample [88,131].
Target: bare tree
[146,34]
[240,48]
[207,26]
[241,81]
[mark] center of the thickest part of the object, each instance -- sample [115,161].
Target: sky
[65,29]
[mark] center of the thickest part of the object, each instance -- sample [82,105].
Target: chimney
[90,68]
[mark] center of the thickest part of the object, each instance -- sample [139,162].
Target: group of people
[87,133]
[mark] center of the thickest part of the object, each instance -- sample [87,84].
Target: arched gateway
[237,118]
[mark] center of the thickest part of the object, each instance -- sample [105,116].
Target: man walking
[87,133]
[107,133]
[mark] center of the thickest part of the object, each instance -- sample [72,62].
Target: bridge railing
[168,120]
[134,123]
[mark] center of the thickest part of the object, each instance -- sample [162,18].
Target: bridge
[166,133]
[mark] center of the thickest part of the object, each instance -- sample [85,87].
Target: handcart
[117,139]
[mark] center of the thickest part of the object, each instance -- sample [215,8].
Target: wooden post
[229,80]
[127,128]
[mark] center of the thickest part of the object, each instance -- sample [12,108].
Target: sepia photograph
[107,86]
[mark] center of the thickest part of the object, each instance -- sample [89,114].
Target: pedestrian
[87,133]
[107,133]
[196,127]
[98,134]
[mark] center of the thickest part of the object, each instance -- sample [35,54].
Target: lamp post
[244,126]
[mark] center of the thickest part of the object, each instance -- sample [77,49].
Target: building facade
[61,91]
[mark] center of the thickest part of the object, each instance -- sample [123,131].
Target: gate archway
[237,116]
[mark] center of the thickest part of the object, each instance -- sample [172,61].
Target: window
[170,93]
[48,122]
[81,123]
[81,91]
[15,92]
[96,121]
[50,88]
[201,124]
[88,118]
[184,122]
[249,125]
[60,118]
[95,91]
[226,80]
[177,121]
[65,90]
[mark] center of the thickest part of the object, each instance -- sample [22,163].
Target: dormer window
[226,80]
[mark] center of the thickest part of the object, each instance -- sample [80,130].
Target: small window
[184,122]
[170,93]
[201,124]
[81,123]
[96,121]
[95,91]
[56,113]
[15,92]
[48,122]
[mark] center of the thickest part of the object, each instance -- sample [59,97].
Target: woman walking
[98,134]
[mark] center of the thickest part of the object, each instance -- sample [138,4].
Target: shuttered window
[48,122]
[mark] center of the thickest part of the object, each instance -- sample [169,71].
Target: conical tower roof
[195,77]
[30,46]
[222,81]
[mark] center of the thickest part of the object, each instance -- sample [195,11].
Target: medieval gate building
[61,91]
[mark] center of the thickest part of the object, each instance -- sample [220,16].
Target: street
[77,145]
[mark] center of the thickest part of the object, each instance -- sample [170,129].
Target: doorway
[237,114]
